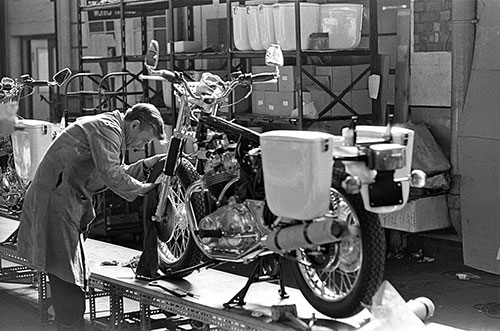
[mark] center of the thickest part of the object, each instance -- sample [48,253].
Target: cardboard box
[361,102]
[424,214]
[356,71]
[286,81]
[264,86]
[289,75]
[240,103]
[340,76]
[322,99]
[259,102]
[325,80]
[281,103]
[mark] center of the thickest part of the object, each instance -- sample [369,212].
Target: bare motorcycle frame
[22,150]
[240,196]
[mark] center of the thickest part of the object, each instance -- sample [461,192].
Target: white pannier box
[29,146]
[297,169]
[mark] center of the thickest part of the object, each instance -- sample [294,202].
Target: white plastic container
[29,146]
[342,22]
[297,169]
[254,28]
[284,24]
[240,29]
[265,19]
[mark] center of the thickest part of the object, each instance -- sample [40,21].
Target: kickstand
[257,276]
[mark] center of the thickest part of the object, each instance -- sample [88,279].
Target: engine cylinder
[303,235]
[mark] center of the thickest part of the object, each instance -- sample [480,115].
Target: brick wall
[432,28]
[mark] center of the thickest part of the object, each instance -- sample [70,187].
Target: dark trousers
[148,262]
[68,301]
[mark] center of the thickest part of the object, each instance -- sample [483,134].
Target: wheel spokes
[336,280]
[176,246]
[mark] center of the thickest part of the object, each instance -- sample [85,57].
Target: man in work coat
[84,159]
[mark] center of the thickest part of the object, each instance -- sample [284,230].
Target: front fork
[173,158]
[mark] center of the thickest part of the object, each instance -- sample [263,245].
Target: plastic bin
[265,19]
[29,146]
[284,24]
[240,29]
[297,169]
[254,28]
[342,22]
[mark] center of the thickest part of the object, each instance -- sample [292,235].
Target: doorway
[41,64]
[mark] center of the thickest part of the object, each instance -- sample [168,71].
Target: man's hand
[146,188]
[152,160]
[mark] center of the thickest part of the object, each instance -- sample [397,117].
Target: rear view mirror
[61,76]
[274,56]
[152,55]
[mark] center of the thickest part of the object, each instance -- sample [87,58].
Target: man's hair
[147,115]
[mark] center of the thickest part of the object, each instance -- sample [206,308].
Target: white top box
[297,169]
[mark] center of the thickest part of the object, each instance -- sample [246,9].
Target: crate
[423,214]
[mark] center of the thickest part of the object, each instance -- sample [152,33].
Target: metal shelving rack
[355,56]
[145,8]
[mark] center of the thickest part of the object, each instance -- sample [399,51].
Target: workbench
[211,289]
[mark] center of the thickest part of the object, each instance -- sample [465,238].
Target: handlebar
[241,79]
[12,88]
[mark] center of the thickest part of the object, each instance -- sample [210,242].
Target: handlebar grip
[265,77]
[150,77]
[36,83]
[163,74]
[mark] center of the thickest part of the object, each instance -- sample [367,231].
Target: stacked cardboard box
[280,99]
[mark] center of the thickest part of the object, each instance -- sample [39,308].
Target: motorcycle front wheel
[337,279]
[179,251]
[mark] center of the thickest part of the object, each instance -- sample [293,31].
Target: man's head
[143,123]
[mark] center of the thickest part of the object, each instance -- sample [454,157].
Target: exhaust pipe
[309,234]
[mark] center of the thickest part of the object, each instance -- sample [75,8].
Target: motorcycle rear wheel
[337,279]
[180,251]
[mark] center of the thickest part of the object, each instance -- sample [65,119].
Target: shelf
[256,118]
[132,8]
[265,119]
[327,57]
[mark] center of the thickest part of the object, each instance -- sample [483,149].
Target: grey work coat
[84,159]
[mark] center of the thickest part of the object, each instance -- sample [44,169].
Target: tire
[344,276]
[180,251]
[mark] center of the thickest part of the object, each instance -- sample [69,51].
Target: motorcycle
[240,196]
[22,150]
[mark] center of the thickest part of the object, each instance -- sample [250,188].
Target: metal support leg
[145,317]
[116,308]
[92,305]
[281,281]
[43,301]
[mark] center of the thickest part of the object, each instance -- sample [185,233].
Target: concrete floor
[460,304]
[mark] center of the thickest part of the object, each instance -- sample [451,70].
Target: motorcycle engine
[11,190]
[236,225]
[233,230]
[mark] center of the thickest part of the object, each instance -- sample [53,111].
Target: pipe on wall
[62,18]
[463,19]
